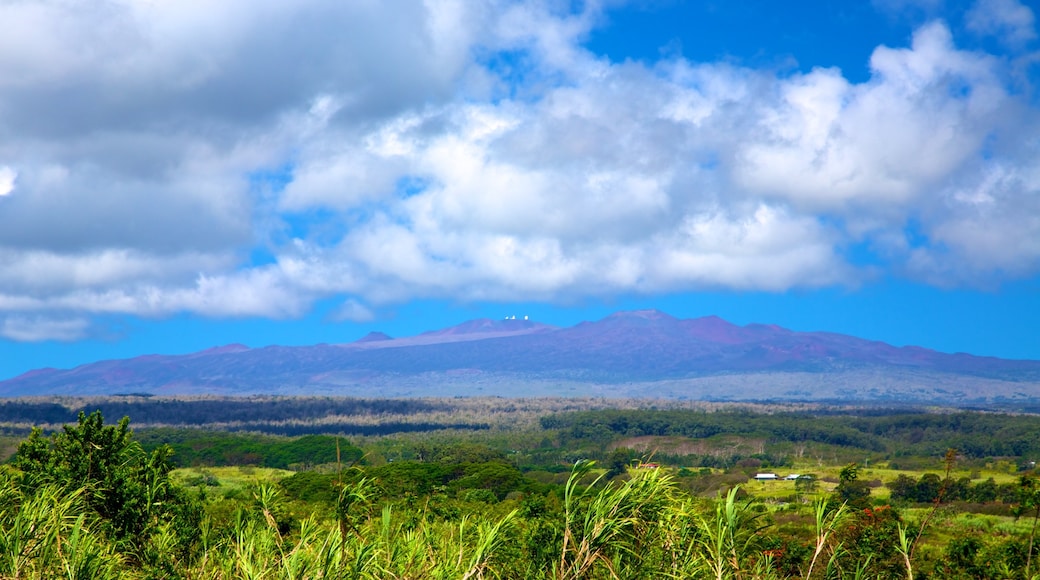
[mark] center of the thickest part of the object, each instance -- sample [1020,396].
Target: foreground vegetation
[670,494]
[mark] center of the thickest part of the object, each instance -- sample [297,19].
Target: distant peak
[475,325]
[226,349]
[375,336]
[649,314]
[711,320]
[773,327]
[38,372]
[486,325]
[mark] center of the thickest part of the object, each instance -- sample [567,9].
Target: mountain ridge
[647,353]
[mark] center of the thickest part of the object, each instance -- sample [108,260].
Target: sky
[179,174]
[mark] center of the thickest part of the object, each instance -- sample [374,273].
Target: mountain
[374,337]
[644,353]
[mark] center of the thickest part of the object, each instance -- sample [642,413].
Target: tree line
[901,434]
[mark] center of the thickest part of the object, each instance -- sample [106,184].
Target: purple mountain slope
[374,337]
[642,353]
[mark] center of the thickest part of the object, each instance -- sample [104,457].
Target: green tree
[498,478]
[850,489]
[1029,505]
[903,488]
[129,489]
[618,460]
[930,488]
[806,484]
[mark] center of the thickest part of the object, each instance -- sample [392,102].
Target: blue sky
[175,176]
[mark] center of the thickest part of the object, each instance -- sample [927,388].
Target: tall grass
[609,529]
[50,534]
[827,523]
[642,527]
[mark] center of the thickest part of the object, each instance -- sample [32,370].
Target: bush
[128,489]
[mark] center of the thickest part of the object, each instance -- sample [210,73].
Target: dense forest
[895,434]
[575,492]
[284,416]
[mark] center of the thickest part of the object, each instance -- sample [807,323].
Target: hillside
[640,354]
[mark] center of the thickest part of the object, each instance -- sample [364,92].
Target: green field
[566,490]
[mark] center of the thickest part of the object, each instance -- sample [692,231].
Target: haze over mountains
[628,354]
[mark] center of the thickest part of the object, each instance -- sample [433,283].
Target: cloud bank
[231,159]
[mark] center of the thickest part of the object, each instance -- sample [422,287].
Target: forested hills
[642,353]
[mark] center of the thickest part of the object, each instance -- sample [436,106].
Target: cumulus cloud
[353,311]
[991,225]
[484,154]
[38,329]
[7,177]
[41,272]
[879,145]
[1009,20]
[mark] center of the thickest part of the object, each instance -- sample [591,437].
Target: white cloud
[992,226]
[427,172]
[1010,21]
[353,311]
[596,188]
[38,329]
[7,177]
[43,272]
[882,144]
